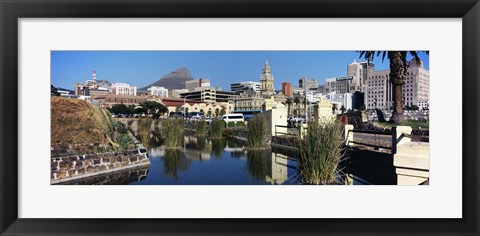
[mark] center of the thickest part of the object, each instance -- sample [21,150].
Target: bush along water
[172,133]
[216,128]
[320,152]
[257,132]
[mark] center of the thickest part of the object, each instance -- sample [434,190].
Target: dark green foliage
[124,141]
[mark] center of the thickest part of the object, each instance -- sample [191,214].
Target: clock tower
[266,80]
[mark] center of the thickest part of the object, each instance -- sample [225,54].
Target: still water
[203,161]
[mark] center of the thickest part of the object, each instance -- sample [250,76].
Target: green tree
[120,109]
[296,100]
[289,104]
[342,109]
[217,111]
[398,76]
[153,108]
[334,108]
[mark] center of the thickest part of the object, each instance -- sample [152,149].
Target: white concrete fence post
[349,135]
[398,138]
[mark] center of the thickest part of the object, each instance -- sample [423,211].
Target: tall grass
[201,128]
[320,152]
[257,132]
[216,128]
[172,132]
[143,131]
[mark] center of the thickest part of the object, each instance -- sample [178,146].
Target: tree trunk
[398,75]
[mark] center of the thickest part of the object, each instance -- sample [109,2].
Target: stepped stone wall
[64,169]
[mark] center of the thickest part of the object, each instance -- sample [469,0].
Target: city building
[248,101]
[191,85]
[187,105]
[286,89]
[158,91]
[341,100]
[109,100]
[416,89]
[307,83]
[358,72]
[208,95]
[124,89]
[175,93]
[266,80]
[339,85]
[241,87]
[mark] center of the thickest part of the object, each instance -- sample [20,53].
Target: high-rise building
[307,83]
[286,86]
[416,89]
[266,80]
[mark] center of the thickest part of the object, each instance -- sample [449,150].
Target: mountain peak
[173,80]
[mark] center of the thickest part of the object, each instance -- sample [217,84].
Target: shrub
[216,128]
[239,124]
[172,132]
[320,152]
[257,132]
[124,141]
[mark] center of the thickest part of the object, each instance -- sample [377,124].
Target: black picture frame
[11,11]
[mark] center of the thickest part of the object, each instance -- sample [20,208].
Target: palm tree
[398,75]
[296,100]
[334,108]
[289,103]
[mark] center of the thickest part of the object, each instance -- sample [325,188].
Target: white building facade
[158,91]
[124,89]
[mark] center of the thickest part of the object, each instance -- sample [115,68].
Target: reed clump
[143,131]
[172,132]
[257,132]
[216,128]
[201,128]
[320,152]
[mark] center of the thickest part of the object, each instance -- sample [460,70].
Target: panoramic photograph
[239,118]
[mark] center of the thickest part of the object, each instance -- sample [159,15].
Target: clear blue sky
[142,68]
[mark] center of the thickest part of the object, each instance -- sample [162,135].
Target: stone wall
[75,167]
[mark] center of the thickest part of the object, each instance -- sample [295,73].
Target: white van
[233,118]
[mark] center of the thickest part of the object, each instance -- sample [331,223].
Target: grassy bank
[74,121]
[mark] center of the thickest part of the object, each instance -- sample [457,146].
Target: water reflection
[203,161]
[174,161]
